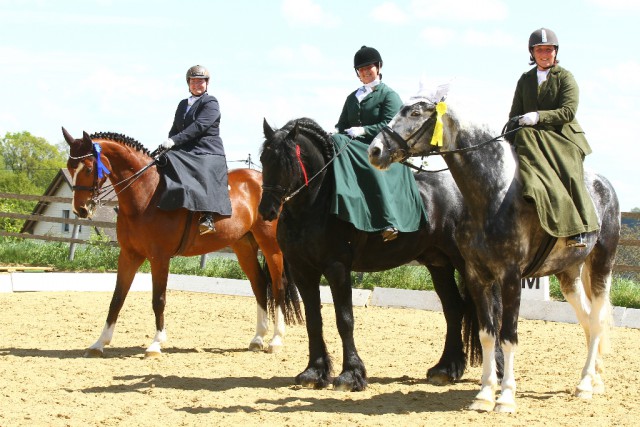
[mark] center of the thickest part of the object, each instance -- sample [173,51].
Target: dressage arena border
[554,311]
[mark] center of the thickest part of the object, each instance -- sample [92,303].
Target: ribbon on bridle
[101,168]
[438,130]
[304,170]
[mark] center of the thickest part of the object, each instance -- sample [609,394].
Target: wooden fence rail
[620,268]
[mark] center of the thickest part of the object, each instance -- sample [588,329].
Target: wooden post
[72,246]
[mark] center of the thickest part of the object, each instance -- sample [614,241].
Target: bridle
[98,193]
[406,146]
[281,193]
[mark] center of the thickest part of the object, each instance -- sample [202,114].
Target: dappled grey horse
[502,241]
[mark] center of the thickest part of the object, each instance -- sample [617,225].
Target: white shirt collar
[192,99]
[542,76]
[366,89]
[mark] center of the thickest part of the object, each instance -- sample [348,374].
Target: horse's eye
[89,170]
[416,112]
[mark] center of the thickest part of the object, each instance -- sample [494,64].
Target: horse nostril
[81,212]
[374,151]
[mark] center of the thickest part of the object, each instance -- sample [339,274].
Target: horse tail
[291,299]
[470,328]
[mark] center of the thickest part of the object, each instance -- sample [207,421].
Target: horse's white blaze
[75,175]
[156,345]
[105,338]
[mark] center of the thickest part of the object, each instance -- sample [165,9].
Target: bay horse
[146,232]
[316,243]
[502,241]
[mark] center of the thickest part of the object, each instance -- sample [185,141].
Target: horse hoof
[342,387]
[598,388]
[274,349]
[583,394]
[256,347]
[482,405]
[439,378]
[93,353]
[505,408]
[152,354]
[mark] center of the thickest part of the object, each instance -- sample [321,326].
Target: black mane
[126,140]
[313,131]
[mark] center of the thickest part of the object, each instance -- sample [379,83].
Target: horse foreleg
[318,371]
[354,375]
[511,291]
[97,349]
[262,326]
[246,250]
[485,400]
[128,264]
[159,275]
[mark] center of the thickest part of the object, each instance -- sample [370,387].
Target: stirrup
[206,224]
[577,241]
[389,234]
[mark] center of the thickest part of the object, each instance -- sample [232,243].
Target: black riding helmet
[542,37]
[365,56]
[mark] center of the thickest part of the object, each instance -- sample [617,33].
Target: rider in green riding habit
[372,200]
[551,145]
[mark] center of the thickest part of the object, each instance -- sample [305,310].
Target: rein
[307,181]
[405,147]
[98,193]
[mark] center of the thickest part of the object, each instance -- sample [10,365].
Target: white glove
[167,144]
[355,132]
[529,119]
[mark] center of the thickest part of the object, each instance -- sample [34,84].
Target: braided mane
[123,139]
[314,131]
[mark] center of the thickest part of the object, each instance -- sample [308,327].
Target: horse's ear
[267,129]
[86,138]
[294,132]
[67,136]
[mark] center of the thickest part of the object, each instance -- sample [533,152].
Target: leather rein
[98,193]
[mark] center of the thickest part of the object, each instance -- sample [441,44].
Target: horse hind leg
[159,275]
[246,250]
[452,363]
[575,285]
[600,321]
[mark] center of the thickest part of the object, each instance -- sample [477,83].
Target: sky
[119,65]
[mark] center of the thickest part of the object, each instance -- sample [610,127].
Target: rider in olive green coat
[551,146]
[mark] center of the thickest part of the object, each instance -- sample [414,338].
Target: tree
[27,166]
[31,156]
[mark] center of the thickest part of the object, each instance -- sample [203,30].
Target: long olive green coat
[552,152]
[368,198]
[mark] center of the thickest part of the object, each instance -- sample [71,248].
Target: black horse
[317,243]
[502,241]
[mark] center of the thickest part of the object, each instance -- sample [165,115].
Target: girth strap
[541,255]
